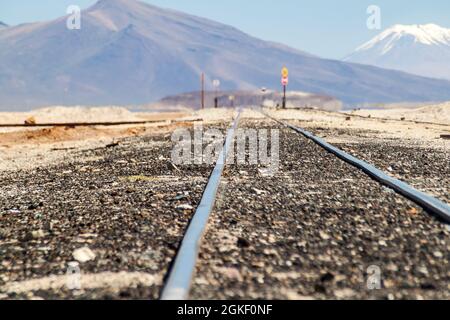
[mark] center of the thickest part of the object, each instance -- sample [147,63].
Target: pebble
[294,295]
[392,267]
[423,270]
[38,234]
[258,192]
[83,255]
[232,273]
[185,207]
[324,235]
[243,243]
[344,293]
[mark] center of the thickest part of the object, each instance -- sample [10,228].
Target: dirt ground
[31,147]
[66,189]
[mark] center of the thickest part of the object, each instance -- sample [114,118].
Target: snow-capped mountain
[128,52]
[419,49]
[3,25]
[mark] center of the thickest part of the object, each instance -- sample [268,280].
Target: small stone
[30,121]
[270,252]
[34,206]
[324,235]
[344,293]
[232,273]
[243,243]
[423,270]
[38,234]
[295,296]
[382,243]
[224,249]
[327,277]
[272,239]
[83,255]
[180,197]
[413,212]
[392,267]
[33,235]
[438,254]
[266,172]
[201,281]
[185,207]
[388,284]
[258,192]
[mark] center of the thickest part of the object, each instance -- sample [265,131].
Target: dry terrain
[111,199]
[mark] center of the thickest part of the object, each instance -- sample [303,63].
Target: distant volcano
[128,52]
[419,49]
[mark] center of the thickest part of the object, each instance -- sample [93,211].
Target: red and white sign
[285,81]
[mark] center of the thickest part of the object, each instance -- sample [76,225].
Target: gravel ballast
[312,231]
[315,230]
[118,209]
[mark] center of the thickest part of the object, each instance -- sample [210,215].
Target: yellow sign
[285,72]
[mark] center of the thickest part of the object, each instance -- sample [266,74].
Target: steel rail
[180,276]
[78,124]
[429,203]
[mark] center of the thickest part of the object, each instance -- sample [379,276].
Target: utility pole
[203,90]
[284,82]
[216,84]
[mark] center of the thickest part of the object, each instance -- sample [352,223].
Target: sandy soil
[423,133]
[85,114]
[31,147]
[27,148]
[439,113]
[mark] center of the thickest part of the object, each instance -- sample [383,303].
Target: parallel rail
[180,277]
[429,203]
[78,124]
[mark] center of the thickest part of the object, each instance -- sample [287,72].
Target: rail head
[180,276]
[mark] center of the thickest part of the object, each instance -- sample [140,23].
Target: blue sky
[328,28]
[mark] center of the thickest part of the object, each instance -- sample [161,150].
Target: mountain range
[418,49]
[131,53]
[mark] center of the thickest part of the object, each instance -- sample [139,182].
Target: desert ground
[111,199]
[30,147]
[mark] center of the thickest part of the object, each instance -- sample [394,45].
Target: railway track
[431,204]
[179,280]
[182,274]
[309,231]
